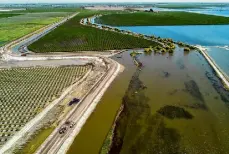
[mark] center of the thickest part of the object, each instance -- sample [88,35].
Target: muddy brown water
[182,82]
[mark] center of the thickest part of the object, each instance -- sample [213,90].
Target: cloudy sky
[85,1]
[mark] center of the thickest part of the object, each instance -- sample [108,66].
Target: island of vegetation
[161,19]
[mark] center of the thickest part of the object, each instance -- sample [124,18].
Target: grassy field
[72,36]
[36,141]
[47,9]
[6,15]
[26,91]
[25,23]
[161,19]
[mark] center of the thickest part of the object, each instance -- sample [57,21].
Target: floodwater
[206,35]
[212,37]
[184,108]
[182,80]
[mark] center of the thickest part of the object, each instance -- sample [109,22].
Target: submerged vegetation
[193,89]
[138,130]
[173,112]
[161,19]
[134,53]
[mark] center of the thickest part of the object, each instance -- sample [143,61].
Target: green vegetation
[186,49]
[138,130]
[6,15]
[173,112]
[187,46]
[161,19]
[134,53]
[26,91]
[36,141]
[193,89]
[169,46]
[25,23]
[148,50]
[47,9]
[72,36]
[106,145]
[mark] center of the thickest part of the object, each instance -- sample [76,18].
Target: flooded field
[212,37]
[174,104]
[184,108]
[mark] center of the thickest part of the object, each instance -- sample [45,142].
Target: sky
[87,1]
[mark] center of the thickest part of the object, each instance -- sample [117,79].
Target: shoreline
[222,76]
[220,73]
[68,142]
[104,85]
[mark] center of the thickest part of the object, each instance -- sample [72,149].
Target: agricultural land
[27,91]
[72,36]
[20,23]
[161,19]
[53,81]
[6,15]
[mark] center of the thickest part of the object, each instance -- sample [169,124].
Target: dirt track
[89,89]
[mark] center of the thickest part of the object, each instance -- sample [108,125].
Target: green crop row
[25,92]
[6,15]
[17,26]
[161,18]
[72,36]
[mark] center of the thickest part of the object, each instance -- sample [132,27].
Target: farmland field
[6,15]
[25,23]
[161,19]
[72,36]
[26,91]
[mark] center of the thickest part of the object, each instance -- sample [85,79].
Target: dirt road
[59,143]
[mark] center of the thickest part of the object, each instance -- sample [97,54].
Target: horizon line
[107,2]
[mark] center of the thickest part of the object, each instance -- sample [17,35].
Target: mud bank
[101,90]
